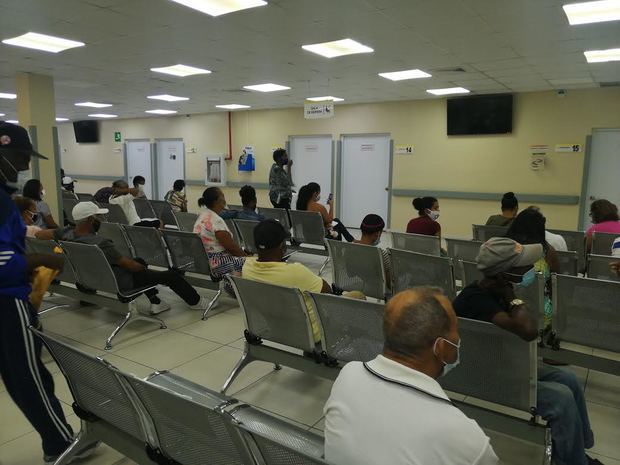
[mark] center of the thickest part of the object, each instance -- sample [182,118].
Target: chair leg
[121,325]
[548,447]
[82,439]
[323,266]
[53,307]
[212,304]
[245,360]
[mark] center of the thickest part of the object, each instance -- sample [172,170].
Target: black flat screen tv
[480,114]
[86,131]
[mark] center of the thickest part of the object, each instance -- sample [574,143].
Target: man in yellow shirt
[269,267]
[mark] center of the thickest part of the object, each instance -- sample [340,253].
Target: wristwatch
[515,303]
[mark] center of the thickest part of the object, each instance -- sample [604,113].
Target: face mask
[96,225]
[433,214]
[43,193]
[285,160]
[22,178]
[448,367]
[527,279]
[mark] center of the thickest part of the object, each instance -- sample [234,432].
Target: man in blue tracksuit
[27,381]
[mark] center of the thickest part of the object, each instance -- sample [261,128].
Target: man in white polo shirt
[391,409]
[123,195]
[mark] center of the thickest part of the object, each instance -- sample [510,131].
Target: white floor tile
[133,333]
[223,328]
[512,451]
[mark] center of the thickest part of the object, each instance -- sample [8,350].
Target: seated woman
[33,190]
[225,256]
[426,222]
[372,228]
[604,220]
[28,210]
[510,208]
[529,228]
[308,199]
[176,197]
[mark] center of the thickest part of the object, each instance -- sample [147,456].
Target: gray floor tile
[603,389]
[605,423]
[224,328]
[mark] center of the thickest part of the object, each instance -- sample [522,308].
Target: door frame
[156,159]
[333,156]
[587,160]
[126,162]
[339,158]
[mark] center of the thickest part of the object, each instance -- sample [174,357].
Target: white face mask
[42,192]
[433,214]
[447,367]
[22,178]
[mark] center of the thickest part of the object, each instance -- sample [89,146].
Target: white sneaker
[158,308]
[202,304]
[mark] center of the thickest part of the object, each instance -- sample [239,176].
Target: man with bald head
[392,409]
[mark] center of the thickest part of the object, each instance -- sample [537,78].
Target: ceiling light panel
[61,120]
[592,12]
[269,87]
[602,56]
[93,104]
[9,96]
[448,91]
[181,70]
[43,42]
[12,121]
[2,114]
[167,98]
[220,7]
[102,115]
[327,98]
[161,112]
[407,74]
[232,106]
[338,48]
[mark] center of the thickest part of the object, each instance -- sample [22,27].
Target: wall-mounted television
[480,114]
[86,131]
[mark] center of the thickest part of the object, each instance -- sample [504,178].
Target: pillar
[36,111]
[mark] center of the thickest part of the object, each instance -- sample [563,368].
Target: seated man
[372,228]
[248,200]
[123,195]
[129,273]
[506,264]
[391,409]
[269,267]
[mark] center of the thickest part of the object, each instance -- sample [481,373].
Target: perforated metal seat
[186,221]
[307,227]
[234,232]
[164,212]
[575,242]
[278,214]
[598,267]
[358,267]
[49,247]
[245,228]
[351,330]
[430,245]
[116,234]
[602,243]
[68,195]
[84,197]
[483,232]
[67,206]
[469,272]
[115,213]
[411,269]
[147,243]
[462,249]
[569,262]
[144,208]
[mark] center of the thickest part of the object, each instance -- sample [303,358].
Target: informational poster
[538,155]
[246,160]
[318,110]
[215,174]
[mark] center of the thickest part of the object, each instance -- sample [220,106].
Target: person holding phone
[281,180]
[308,199]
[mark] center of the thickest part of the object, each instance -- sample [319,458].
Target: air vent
[450,70]
[610,84]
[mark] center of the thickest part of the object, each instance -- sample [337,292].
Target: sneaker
[83,453]
[201,305]
[162,306]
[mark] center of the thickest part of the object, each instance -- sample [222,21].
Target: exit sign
[117,136]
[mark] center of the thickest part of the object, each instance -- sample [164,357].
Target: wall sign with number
[568,148]
[403,149]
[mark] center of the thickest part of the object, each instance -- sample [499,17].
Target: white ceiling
[503,46]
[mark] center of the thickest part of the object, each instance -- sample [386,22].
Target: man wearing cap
[506,264]
[27,381]
[270,239]
[130,273]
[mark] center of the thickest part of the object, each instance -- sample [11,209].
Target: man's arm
[126,190]
[326,289]
[518,321]
[130,264]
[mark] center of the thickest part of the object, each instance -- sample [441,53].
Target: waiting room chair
[462,249]
[483,232]
[602,242]
[84,197]
[429,245]
[68,195]
[186,221]
[144,208]
[307,229]
[278,214]
[234,232]
[67,206]
[576,242]
[469,272]
[116,234]
[147,244]
[569,262]
[245,228]
[598,267]
[164,212]
[411,269]
[115,213]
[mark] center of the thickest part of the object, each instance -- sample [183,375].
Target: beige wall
[494,163]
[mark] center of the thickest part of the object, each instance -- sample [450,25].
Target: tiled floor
[205,352]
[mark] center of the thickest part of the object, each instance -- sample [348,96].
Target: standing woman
[428,214]
[33,189]
[281,180]
[225,256]
[308,199]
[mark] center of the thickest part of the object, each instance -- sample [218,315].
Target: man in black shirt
[506,264]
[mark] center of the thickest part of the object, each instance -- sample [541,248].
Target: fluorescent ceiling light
[570,81]
[12,121]
[93,104]
[2,114]
[402,75]
[9,96]
[220,7]
[43,42]
[327,98]
[167,98]
[181,70]
[592,12]
[232,106]
[448,90]
[161,112]
[602,56]
[337,48]
[61,120]
[269,87]
[102,115]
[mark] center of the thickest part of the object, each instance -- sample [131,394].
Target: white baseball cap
[85,209]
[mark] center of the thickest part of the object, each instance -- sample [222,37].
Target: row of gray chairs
[87,276]
[279,330]
[165,419]
[115,212]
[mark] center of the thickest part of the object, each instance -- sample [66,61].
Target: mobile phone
[330,197]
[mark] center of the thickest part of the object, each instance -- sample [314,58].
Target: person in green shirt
[510,208]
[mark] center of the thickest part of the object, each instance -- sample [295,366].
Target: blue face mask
[448,367]
[527,279]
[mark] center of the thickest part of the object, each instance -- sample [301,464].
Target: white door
[312,162]
[603,172]
[139,163]
[365,178]
[170,164]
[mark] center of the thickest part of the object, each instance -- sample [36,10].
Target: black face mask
[96,225]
